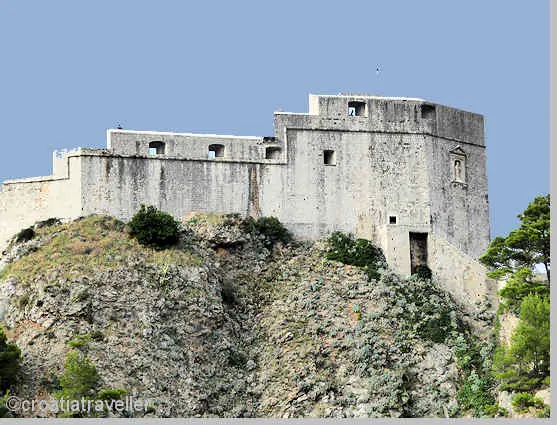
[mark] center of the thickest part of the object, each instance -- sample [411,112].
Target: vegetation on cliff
[10,365]
[525,247]
[154,228]
[236,319]
[521,364]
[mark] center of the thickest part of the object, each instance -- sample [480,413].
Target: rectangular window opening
[156,148]
[329,157]
[392,219]
[356,109]
[272,153]
[216,151]
[428,112]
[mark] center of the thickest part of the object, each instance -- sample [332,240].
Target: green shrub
[429,311]
[495,411]
[545,412]
[270,227]
[48,223]
[80,341]
[10,362]
[518,287]
[512,371]
[154,228]
[476,394]
[467,353]
[340,247]
[357,252]
[4,411]
[530,339]
[25,235]
[273,229]
[80,378]
[473,358]
[524,366]
[423,272]
[521,402]
[437,328]
[111,394]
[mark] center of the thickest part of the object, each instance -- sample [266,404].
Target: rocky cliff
[228,324]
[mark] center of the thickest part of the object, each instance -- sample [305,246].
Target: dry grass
[90,244]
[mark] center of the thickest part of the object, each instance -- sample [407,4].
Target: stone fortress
[408,174]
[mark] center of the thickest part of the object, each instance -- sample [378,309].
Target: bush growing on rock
[518,287]
[111,394]
[521,402]
[25,235]
[525,364]
[476,394]
[10,358]
[423,272]
[80,341]
[48,223]
[530,339]
[270,227]
[356,252]
[80,378]
[155,228]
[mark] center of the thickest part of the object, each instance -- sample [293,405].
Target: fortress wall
[459,211]
[196,146]
[378,122]
[404,115]
[119,185]
[26,201]
[61,163]
[460,274]
[460,125]
[59,166]
[388,164]
[376,176]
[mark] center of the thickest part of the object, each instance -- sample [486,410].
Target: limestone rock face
[223,325]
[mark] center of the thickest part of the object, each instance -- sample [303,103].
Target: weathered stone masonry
[408,174]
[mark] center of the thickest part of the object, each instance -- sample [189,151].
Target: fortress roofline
[363,97]
[167,133]
[371,96]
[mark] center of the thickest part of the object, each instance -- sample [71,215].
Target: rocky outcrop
[227,325]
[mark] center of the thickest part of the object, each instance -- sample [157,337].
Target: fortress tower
[408,174]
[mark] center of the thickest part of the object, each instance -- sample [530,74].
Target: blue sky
[70,70]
